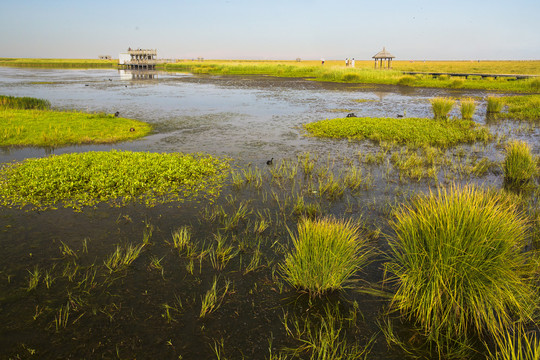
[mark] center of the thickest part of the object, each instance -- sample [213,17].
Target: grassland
[31,122]
[335,72]
[410,131]
[80,179]
[59,63]
[521,107]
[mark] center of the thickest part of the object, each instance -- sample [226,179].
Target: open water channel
[152,310]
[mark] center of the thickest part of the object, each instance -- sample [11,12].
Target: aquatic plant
[327,253]
[407,80]
[467,108]
[122,257]
[24,103]
[117,177]
[411,131]
[525,107]
[441,107]
[60,128]
[494,104]
[517,346]
[212,299]
[459,264]
[519,163]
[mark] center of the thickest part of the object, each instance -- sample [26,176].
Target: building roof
[383,54]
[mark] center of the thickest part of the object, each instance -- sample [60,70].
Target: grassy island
[30,122]
[118,177]
[410,131]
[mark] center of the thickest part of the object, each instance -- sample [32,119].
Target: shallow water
[249,119]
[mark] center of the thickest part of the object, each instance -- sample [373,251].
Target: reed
[519,163]
[441,107]
[467,108]
[517,346]
[122,257]
[460,266]
[326,255]
[212,299]
[494,104]
[23,103]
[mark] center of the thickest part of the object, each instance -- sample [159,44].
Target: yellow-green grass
[467,108]
[460,265]
[494,104]
[13,102]
[58,63]
[326,255]
[336,72]
[59,128]
[519,163]
[441,107]
[525,107]
[117,177]
[410,131]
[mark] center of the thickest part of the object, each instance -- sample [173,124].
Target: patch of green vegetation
[412,131]
[467,108]
[24,103]
[519,163]
[441,106]
[460,265]
[117,177]
[59,63]
[60,128]
[326,254]
[525,107]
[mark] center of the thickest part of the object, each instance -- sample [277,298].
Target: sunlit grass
[441,107]
[460,266]
[519,163]
[411,131]
[467,108]
[326,255]
[80,179]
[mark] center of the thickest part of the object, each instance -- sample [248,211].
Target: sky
[273,30]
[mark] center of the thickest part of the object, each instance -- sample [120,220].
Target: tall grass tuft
[327,253]
[441,107]
[494,104]
[467,108]
[459,264]
[24,103]
[517,346]
[519,164]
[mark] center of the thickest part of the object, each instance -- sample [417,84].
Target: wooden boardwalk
[467,75]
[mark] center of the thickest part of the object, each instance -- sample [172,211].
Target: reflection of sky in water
[247,118]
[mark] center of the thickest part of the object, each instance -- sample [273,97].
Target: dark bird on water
[116,114]
[110,79]
[351,115]
[269,162]
[400,116]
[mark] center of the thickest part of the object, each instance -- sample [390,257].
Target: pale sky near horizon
[278,29]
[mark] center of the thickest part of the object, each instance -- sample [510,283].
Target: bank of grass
[59,63]
[117,177]
[25,103]
[460,266]
[59,128]
[335,72]
[410,131]
[519,163]
[526,107]
[326,254]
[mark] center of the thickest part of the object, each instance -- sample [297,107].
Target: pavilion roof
[383,54]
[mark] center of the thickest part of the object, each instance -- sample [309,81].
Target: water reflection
[137,74]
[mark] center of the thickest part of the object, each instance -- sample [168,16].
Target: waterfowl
[269,162]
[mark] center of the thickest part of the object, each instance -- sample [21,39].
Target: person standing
[352,62]
[322,61]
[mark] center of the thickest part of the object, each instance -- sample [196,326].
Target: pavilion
[384,58]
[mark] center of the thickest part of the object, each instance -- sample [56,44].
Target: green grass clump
[25,103]
[517,346]
[467,108]
[519,163]
[326,254]
[441,107]
[460,266]
[117,177]
[411,131]
[407,80]
[494,104]
[525,107]
[60,128]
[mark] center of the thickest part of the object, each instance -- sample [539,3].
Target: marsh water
[152,309]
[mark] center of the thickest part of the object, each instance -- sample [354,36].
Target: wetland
[204,276]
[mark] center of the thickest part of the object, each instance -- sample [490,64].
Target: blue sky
[278,29]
